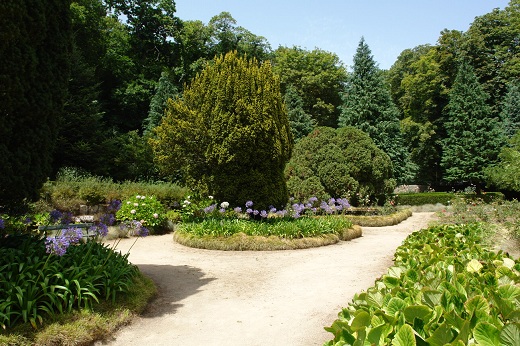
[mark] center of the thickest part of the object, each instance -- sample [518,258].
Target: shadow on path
[174,284]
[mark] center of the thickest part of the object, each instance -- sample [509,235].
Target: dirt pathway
[255,298]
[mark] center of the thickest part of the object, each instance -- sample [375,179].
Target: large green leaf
[421,312]
[394,306]
[375,298]
[486,334]
[376,336]
[477,306]
[510,335]
[404,337]
[432,298]
[361,321]
[441,336]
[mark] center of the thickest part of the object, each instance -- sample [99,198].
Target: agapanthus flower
[55,215]
[114,205]
[272,209]
[313,199]
[2,224]
[263,214]
[107,219]
[222,210]
[224,205]
[101,229]
[249,210]
[66,218]
[72,234]
[249,204]
[142,232]
[237,210]
[210,209]
[57,245]
[255,212]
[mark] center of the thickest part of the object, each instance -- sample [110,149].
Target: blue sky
[389,26]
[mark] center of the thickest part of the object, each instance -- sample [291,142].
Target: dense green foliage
[317,76]
[444,287]
[506,173]
[368,106]
[342,163]
[444,198]
[37,286]
[510,114]
[34,45]
[229,133]
[291,229]
[474,136]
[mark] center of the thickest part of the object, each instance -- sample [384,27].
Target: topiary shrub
[341,162]
[228,133]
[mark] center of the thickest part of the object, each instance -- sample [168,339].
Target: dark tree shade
[34,46]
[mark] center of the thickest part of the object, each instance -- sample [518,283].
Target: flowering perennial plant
[146,210]
[310,207]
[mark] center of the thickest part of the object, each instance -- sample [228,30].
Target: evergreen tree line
[96,93]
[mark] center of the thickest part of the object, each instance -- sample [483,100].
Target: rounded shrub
[341,162]
[229,133]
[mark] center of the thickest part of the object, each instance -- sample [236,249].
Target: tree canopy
[367,105]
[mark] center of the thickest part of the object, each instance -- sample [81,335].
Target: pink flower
[156,215]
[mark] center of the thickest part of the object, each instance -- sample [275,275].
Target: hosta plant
[444,288]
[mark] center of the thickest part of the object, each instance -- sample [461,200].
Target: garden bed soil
[209,297]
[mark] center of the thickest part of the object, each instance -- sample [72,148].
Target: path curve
[209,297]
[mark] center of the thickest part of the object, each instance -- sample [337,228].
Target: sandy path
[255,298]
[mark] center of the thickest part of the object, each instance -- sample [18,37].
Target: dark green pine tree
[473,137]
[510,113]
[301,123]
[35,41]
[368,106]
[165,90]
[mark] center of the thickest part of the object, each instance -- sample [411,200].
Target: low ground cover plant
[444,288]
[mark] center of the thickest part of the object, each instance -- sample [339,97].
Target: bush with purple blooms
[146,210]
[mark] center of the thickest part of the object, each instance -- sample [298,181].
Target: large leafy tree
[474,136]
[422,98]
[229,133]
[342,162]
[368,105]
[318,77]
[492,45]
[34,45]
[505,174]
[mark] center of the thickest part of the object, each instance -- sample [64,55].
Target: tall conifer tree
[474,137]
[368,106]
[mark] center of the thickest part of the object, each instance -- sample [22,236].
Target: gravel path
[252,298]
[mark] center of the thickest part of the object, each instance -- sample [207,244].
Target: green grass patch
[269,234]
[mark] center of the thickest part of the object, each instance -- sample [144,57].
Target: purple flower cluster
[210,209]
[2,224]
[101,229]
[138,229]
[114,206]
[57,216]
[59,244]
[108,219]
